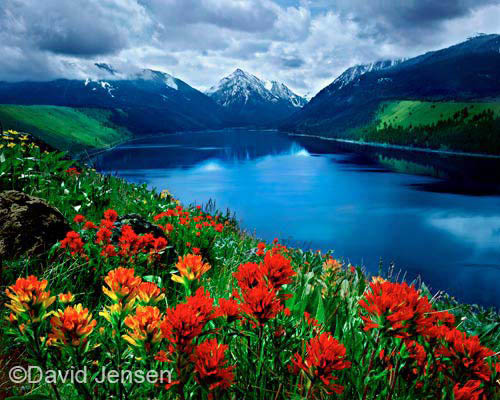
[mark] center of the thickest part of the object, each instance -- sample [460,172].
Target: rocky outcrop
[28,225]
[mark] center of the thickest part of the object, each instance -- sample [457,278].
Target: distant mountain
[252,101]
[145,102]
[465,72]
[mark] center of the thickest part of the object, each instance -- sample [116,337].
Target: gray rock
[28,225]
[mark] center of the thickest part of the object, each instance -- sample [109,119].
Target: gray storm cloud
[304,43]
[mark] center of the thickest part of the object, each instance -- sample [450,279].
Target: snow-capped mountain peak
[241,87]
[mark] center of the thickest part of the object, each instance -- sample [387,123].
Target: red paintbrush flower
[109,251]
[186,321]
[111,215]
[470,391]
[74,243]
[324,356]
[79,218]
[89,225]
[466,356]
[211,367]
[260,304]
[399,310]
[277,269]
[261,247]
[249,275]
[103,236]
[72,171]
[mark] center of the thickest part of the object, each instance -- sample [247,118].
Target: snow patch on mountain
[353,73]
[152,75]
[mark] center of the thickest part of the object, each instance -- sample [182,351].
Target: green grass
[415,113]
[65,128]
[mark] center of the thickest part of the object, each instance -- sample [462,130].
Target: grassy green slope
[65,128]
[415,113]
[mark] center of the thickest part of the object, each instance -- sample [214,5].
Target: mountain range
[468,71]
[151,102]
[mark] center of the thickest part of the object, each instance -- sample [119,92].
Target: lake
[431,215]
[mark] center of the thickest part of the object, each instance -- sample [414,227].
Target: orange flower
[111,215]
[71,326]
[148,293]
[331,265]
[144,326]
[378,279]
[66,297]
[28,295]
[190,267]
[121,282]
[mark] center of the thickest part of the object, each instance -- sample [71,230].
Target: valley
[442,100]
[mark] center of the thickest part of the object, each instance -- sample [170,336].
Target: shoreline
[89,155]
[398,147]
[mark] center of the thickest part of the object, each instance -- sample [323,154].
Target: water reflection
[363,203]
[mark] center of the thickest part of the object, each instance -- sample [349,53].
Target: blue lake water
[365,203]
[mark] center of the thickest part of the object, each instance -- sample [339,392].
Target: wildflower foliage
[230,316]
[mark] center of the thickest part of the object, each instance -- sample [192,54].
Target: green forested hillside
[65,128]
[407,113]
[457,126]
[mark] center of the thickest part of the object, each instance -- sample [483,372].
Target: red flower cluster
[467,357]
[401,311]
[186,321]
[187,222]
[74,243]
[260,304]
[211,366]
[129,243]
[79,218]
[324,356]
[260,286]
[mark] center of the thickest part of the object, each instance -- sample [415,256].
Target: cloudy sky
[304,43]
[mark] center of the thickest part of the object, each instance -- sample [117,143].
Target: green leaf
[320,309]
[29,397]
